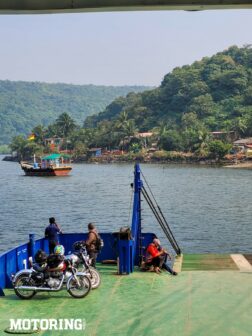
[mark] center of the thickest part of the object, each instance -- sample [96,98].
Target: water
[208,209]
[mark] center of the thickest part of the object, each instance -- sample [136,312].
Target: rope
[168,228]
[166,232]
[165,223]
[148,186]
[162,222]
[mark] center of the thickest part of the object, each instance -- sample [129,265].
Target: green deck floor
[194,303]
[204,262]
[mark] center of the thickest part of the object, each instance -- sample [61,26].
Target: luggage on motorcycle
[53,260]
[40,257]
[98,243]
[78,245]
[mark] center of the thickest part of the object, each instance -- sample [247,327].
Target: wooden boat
[50,165]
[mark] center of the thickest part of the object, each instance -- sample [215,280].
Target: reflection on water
[208,209]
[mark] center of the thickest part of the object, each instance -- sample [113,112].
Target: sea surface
[208,209]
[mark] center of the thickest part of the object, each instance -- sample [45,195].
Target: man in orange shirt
[156,256]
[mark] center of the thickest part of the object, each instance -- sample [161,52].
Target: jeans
[163,264]
[93,256]
[52,244]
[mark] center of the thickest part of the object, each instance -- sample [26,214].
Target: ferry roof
[56,6]
[55,156]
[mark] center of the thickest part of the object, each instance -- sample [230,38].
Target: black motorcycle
[48,277]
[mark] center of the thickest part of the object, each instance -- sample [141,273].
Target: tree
[171,140]
[25,149]
[202,147]
[218,149]
[80,149]
[18,145]
[202,105]
[65,124]
[129,128]
[239,126]
[39,132]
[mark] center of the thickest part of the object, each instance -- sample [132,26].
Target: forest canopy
[24,105]
[213,94]
[193,102]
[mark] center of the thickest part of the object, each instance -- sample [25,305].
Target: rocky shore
[10,158]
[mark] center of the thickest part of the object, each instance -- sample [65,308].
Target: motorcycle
[82,262]
[45,278]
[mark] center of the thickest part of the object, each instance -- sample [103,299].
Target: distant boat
[50,165]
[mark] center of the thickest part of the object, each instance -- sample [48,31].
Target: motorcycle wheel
[23,280]
[77,291]
[94,277]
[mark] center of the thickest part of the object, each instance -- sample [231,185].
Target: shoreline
[243,165]
[185,161]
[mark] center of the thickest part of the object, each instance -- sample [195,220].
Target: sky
[118,48]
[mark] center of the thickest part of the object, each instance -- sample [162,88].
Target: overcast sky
[122,48]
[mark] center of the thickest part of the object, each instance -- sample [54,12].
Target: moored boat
[50,165]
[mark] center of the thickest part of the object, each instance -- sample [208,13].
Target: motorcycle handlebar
[79,245]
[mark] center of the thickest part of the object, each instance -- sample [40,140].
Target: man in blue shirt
[51,233]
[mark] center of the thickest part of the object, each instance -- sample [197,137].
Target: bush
[168,156]
[218,149]
[5,149]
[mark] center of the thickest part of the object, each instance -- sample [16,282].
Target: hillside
[213,94]
[24,105]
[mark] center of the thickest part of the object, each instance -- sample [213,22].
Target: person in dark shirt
[51,233]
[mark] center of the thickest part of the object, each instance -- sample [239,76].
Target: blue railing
[18,258]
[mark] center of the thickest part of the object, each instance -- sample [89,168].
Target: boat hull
[60,171]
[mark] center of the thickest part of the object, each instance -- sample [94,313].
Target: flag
[31,137]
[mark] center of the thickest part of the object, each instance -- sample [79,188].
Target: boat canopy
[55,157]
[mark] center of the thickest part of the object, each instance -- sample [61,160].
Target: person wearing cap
[51,233]
[157,256]
[91,243]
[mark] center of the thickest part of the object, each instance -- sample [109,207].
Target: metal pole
[32,245]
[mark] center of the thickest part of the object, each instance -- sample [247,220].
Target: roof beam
[71,6]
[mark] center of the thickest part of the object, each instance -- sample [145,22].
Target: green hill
[213,94]
[26,104]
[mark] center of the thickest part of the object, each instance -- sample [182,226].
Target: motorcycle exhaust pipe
[47,289]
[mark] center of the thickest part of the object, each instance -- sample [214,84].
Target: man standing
[51,233]
[91,243]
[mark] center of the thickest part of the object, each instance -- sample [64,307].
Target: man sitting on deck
[157,256]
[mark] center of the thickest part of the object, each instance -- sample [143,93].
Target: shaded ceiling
[68,6]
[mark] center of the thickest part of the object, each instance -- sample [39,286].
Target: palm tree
[66,124]
[204,138]
[239,126]
[129,128]
[123,117]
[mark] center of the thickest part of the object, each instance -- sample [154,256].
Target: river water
[208,209]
